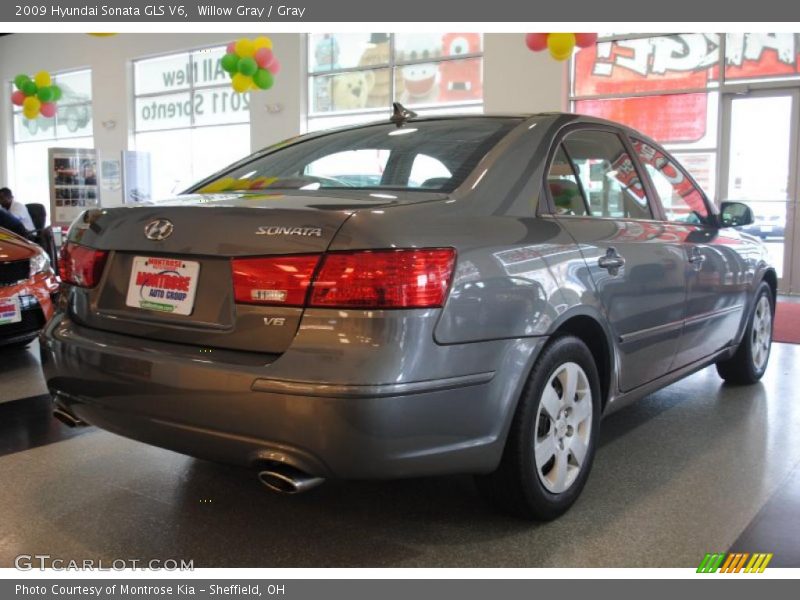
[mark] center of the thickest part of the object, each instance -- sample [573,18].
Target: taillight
[413,278]
[82,266]
[275,280]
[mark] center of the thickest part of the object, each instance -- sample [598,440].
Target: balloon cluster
[251,64]
[37,96]
[560,45]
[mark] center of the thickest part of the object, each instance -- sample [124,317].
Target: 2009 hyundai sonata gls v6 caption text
[416,297]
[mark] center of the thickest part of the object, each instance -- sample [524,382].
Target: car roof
[550,115]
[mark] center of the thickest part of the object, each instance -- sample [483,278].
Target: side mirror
[735,214]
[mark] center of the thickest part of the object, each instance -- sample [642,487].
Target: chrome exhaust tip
[285,479]
[68,418]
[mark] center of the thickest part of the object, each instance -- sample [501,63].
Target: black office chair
[42,234]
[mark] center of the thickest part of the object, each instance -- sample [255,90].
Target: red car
[28,289]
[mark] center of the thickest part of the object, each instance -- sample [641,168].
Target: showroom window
[638,79]
[354,77]
[720,103]
[71,127]
[188,117]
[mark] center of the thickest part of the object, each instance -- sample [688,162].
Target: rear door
[634,261]
[716,272]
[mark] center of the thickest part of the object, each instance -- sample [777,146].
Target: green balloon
[45,94]
[19,81]
[230,63]
[263,79]
[29,88]
[56,93]
[248,66]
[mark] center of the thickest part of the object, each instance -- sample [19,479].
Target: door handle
[612,261]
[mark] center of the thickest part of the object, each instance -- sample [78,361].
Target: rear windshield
[432,155]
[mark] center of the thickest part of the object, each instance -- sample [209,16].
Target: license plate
[10,311]
[165,285]
[766,228]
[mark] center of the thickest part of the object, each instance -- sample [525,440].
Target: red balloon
[536,41]
[231,48]
[263,57]
[48,109]
[584,40]
[274,67]
[18,97]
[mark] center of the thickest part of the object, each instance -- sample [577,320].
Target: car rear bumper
[250,414]
[37,300]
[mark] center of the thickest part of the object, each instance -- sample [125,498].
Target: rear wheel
[749,362]
[552,440]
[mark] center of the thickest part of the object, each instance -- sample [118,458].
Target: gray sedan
[416,297]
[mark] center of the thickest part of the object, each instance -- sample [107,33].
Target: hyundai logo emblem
[158,230]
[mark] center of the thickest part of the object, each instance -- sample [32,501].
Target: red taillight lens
[82,266]
[384,279]
[275,280]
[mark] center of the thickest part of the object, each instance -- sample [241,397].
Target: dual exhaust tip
[285,479]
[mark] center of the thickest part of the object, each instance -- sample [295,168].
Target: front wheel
[749,362]
[553,436]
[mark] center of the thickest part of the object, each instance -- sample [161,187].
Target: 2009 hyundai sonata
[416,297]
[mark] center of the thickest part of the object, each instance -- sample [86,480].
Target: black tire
[516,486]
[741,368]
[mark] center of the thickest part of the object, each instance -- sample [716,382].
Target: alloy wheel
[563,428]
[761,336]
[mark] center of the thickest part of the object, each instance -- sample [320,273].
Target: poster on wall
[110,175]
[73,183]
[136,178]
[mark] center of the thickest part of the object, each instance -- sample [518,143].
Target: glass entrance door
[760,168]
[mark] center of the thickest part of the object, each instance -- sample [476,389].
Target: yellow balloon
[241,83]
[262,42]
[561,57]
[32,104]
[42,79]
[245,48]
[30,114]
[561,45]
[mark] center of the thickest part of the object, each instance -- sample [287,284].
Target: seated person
[16,208]
[12,223]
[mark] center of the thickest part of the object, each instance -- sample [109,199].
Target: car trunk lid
[185,247]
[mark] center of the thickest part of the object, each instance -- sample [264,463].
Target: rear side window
[565,190]
[433,155]
[607,175]
[681,199]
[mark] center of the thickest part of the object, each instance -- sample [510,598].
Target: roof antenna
[400,114]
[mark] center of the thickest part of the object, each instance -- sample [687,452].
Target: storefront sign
[681,62]
[187,89]
[686,64]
